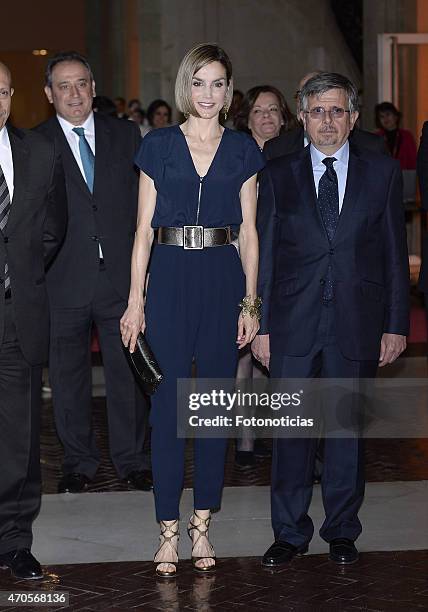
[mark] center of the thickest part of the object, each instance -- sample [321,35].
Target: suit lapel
[102,150]
[20,175]
[303,173]
[354,181]
[293,140]
[69,161]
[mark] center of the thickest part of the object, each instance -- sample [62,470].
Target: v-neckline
[191,158]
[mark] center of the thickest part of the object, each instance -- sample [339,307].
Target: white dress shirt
[6,160]
[73,141]
[73,138]
[340,166]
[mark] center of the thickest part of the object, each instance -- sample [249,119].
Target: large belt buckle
[193,237]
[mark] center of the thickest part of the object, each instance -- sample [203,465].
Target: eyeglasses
[319,113]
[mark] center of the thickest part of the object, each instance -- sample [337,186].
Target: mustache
[328,131]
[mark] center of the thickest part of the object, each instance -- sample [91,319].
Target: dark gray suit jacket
[32,237]
[108,216]
[367,256]
[423,186]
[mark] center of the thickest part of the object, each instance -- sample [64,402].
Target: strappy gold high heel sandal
[202,529]
[168,532]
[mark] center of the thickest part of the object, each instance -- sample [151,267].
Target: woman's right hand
[131,324]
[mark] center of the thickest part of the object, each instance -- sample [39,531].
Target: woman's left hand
[247,329]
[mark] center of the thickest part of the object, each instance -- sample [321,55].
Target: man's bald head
[6,93]
[308,76]
[6,72]
[302,82]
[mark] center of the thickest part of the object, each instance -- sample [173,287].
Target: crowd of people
[297,219]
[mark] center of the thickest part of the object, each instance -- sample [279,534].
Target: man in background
[120,104]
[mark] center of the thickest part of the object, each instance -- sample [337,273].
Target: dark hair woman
[264,113]
[159,114]
[400,142]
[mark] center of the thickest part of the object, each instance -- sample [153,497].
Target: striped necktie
[4,216]
[87,157]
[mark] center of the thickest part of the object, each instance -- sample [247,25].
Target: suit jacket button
[94,207]
[322,282]
[95,238]
[331,251]
[6,238]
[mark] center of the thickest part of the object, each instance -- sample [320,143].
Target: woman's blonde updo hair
[195,59]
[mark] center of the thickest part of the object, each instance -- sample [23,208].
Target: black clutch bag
[145,365]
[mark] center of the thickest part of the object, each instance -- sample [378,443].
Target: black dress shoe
[343,551]
[22,564]
[140,479]
[280,553]
[73,483]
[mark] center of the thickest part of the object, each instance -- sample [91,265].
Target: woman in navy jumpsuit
[196,174]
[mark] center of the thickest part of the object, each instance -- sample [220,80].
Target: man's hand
[391,346]
[261,350]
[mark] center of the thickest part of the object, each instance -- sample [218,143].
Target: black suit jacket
[32,237]
[422,167]
[108,216]
[368,255]
[293,141]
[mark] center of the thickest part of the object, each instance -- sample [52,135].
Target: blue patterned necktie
[328,201]
[87,157]
[5,206]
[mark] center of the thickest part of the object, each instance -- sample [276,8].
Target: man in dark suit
[334,281]
[422,169]
[89,282]
[295,139]
[33,217]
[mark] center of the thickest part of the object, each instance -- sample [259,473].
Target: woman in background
[159,115]
[400,142]
[264,114]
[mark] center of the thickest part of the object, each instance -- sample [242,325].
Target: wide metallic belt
[194,236]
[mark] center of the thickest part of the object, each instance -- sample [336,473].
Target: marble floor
[98,546]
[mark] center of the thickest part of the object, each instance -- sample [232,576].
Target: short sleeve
[254,160]
[147,158]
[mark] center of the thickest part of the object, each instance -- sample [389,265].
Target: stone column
[151,64]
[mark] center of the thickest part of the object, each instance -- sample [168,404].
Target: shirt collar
[342,155]
[88,125]
[4,138]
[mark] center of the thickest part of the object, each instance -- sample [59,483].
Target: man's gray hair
[320,83]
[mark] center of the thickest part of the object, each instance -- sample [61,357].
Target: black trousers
[20,402]
[293,459]
[70,376]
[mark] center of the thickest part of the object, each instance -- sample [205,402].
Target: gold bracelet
[251,307]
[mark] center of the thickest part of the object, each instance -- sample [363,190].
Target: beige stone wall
[269,41]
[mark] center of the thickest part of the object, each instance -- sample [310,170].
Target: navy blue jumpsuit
[192,299]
